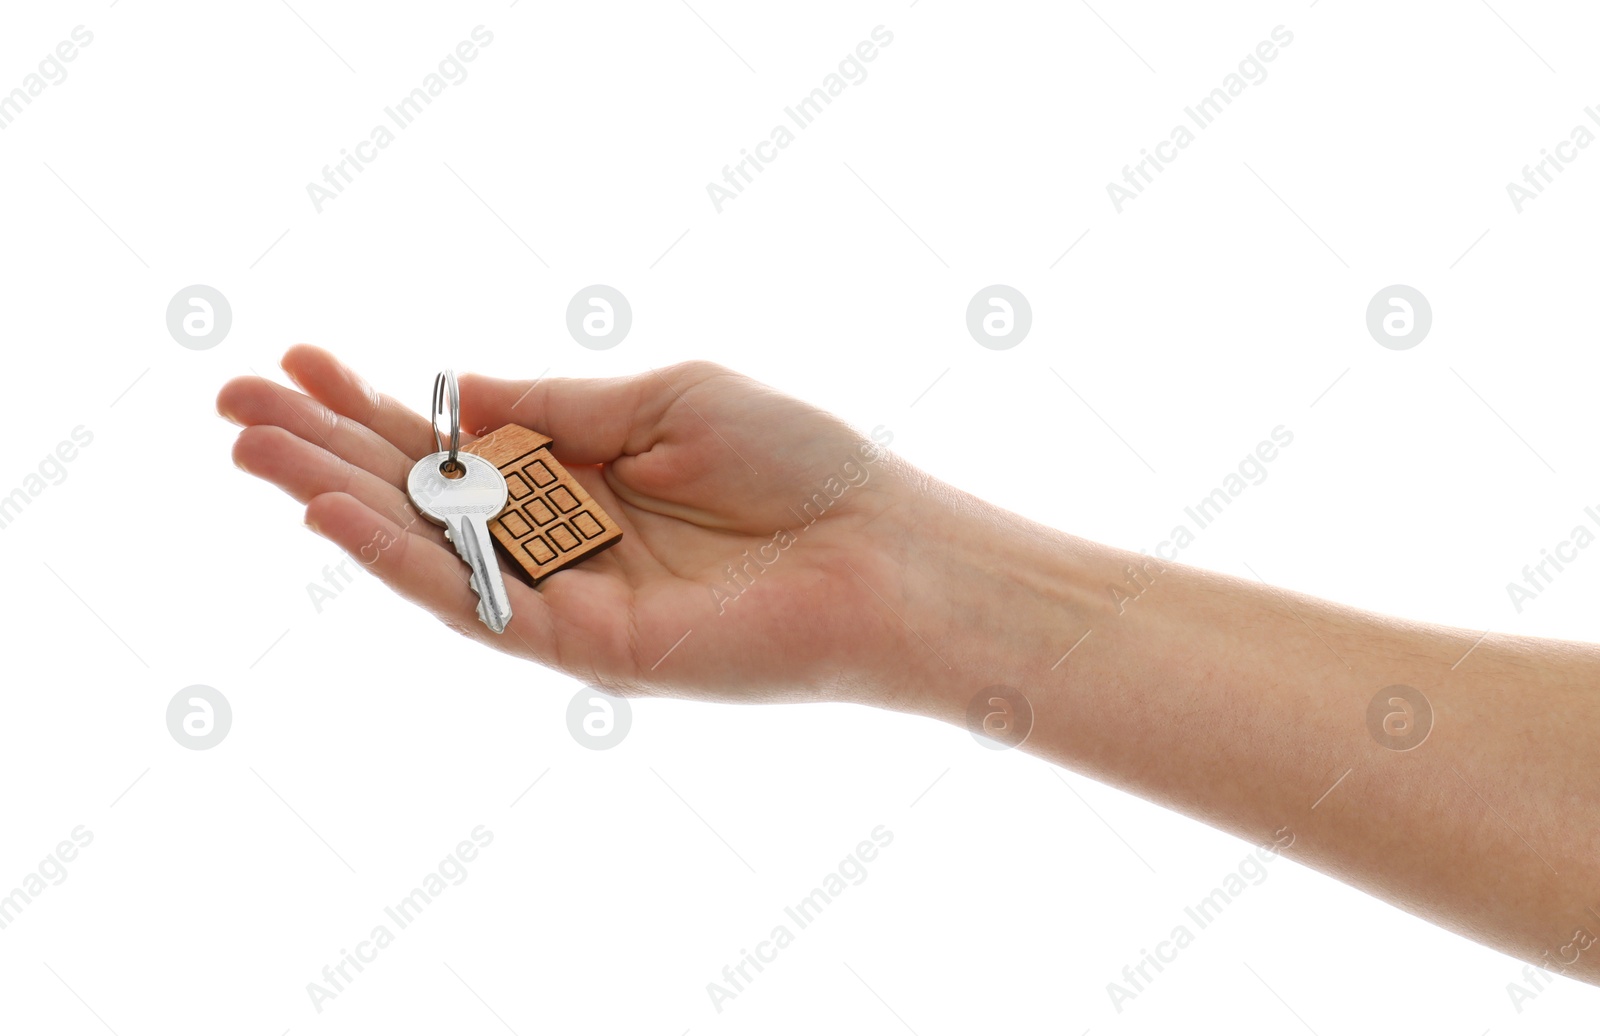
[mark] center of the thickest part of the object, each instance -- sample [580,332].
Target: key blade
[472,541]
[483,612]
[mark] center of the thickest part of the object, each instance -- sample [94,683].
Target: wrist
[984,598]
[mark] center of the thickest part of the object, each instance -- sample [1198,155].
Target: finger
[305,471]
[253,401]
[345,392]
[427,574]
[592,420]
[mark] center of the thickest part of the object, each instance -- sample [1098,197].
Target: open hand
[757,530]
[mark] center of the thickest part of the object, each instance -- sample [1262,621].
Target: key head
[481,489]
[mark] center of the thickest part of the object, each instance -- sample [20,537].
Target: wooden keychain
[550,521]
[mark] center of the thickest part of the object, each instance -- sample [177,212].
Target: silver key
[464,506]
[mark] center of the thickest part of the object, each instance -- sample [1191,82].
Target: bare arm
[811,565]
[1251,708]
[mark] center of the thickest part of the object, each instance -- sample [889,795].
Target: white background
[368,740]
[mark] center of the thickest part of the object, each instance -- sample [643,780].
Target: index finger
[345,392]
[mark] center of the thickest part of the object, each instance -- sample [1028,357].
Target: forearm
[1243,705]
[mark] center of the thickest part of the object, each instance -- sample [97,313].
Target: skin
[1233,702]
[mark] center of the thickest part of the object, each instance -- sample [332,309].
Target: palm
[742,513]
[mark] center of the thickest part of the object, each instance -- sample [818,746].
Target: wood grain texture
[550,521]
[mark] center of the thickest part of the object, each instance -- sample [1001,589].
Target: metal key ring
[445,386]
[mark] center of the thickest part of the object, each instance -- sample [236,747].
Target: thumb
[592,420]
